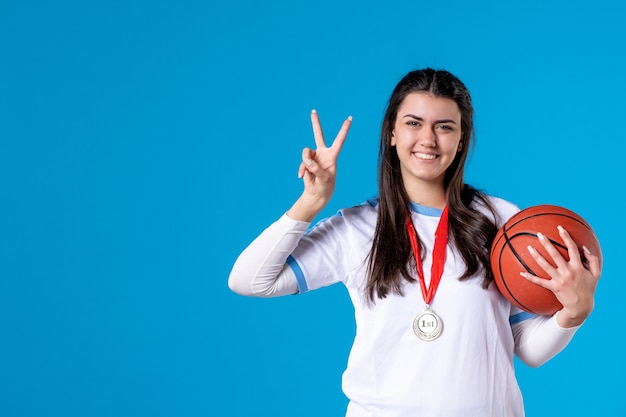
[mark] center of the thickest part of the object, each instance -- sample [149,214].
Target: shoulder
[366,210]
[362,216]
[503,206]
[497,208]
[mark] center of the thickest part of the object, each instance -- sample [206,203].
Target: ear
[460,147]
[393,138]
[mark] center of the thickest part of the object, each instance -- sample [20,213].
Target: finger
[341,136]
[594,262]
[542,282]
[308,154]
[317,130]
[572,247]
[312,167]
[552,251]
[307,160]
[301,170]
[541,261]
[308,178]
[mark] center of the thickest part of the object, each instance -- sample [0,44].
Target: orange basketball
[510,256]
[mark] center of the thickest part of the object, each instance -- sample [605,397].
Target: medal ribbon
[439,255]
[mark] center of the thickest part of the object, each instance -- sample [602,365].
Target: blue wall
[145,143]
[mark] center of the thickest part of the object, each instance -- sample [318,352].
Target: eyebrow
[412,116]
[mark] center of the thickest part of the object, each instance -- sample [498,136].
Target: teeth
[425,155]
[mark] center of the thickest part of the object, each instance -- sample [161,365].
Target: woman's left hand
[572,282]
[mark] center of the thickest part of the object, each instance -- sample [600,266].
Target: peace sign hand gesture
[318,171]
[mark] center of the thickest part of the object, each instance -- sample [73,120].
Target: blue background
[145,143]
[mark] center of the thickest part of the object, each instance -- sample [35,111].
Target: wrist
[566,318]
[306,208]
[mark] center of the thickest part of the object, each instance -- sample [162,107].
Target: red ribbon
[439,255]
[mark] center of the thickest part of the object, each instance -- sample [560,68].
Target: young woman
[434,337]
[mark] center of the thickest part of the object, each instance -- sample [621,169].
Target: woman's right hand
[318,171]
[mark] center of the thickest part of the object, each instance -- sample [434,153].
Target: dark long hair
[471,232]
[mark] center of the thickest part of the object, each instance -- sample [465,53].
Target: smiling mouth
[427,156]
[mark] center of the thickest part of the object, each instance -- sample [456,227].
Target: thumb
[310,164]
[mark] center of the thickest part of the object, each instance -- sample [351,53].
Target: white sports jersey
[467,371]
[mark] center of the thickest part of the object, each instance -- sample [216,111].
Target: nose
[428,138]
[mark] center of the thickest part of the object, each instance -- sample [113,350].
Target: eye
[412,123]
[445,127]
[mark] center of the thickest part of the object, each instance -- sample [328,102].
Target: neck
[428,195]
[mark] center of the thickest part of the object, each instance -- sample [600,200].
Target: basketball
[509,254]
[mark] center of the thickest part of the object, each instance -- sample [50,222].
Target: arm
[261,268]
[539,339]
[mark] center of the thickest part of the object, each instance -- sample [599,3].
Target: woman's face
[427,137]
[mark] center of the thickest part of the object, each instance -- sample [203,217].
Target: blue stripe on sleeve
[519,317]
[302,287]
